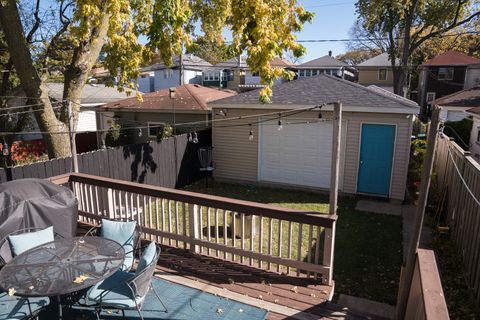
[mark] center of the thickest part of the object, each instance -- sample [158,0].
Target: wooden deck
[286,297]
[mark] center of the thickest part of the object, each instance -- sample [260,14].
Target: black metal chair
[124,290]
[129,252]
[6,253]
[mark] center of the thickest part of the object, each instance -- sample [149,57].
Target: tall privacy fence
[171,163]
[458,177]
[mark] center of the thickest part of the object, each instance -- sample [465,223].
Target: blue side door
[376,157]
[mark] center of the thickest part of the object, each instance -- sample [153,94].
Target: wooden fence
[458,177]
[279,239]
[426,299]
[170,163]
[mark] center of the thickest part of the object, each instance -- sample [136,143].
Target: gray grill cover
[37,203]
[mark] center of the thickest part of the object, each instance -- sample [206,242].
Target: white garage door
[299,154]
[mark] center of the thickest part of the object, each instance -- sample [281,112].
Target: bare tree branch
[36,25]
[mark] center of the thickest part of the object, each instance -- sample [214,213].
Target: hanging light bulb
[250,136]
[195,137]
[9,117]
[189,137]
[280,125]
[5,149]
[320,112]
[139,132]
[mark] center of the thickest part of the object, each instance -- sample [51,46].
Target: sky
[333,20]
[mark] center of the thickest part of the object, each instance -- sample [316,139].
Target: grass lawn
[368,247]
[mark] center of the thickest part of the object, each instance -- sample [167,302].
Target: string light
[5,149]
[280,125]
[139,132]
[250,137]
[320,112]
[9,117]
[189,137]
[195,137]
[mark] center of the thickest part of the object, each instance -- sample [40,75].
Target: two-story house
[445,74]
[328,65]
[185,69]
[235,74]
[376,71]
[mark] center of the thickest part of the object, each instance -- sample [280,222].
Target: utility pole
[409,264]
[73,145]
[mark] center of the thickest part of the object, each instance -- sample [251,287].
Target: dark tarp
[37,203]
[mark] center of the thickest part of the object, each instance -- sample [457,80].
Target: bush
[460,131]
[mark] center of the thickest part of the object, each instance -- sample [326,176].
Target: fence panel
[458,177]
[169,163]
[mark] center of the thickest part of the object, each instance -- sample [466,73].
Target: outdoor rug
[182,303]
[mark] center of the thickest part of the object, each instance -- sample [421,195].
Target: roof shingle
[323,89]
[187,97]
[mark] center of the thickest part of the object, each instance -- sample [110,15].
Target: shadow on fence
[171,163]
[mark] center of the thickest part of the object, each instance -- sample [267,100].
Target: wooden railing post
[329,241]
[193,219]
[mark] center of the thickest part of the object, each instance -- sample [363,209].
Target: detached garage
[284,143]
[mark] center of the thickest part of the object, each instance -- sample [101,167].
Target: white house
[455,106]
[186,69]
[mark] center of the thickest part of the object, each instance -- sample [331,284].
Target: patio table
[53,269]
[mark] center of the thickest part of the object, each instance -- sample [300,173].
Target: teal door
[376,157]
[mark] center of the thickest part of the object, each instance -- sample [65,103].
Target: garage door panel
[298,154]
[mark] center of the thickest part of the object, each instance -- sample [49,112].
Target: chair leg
[138,310]
[158,297]
[97,313]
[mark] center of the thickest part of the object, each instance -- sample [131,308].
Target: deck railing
[279,239]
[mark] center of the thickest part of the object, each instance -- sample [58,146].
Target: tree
[406,25]
[355,57]
[211,51]
[262,28]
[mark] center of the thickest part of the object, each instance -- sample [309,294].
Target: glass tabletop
[62,266]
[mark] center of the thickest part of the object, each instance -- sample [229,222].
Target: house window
[382,74]
[216,76]
[154,128]
[167,73]
[301,73]
[430,97]
[223,76]
[445,73]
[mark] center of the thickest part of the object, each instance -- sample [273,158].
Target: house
[326,64]
[235,74]
[455,105]
[475,134]
[296,150]
[445,74]
[185,69]
[158,109]
[376,71]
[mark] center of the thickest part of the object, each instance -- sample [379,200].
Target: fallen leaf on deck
[240,310]
[80,279]
[11,291]
[230,280]
[276,300]
[219,311]
[324,292]
[260,296]
[313,295]
[294,289]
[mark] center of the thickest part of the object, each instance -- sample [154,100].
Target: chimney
[329,53]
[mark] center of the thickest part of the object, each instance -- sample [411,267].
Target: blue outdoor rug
[182,303]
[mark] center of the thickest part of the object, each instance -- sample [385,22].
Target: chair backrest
[6,253]
[135,240]
[140,283]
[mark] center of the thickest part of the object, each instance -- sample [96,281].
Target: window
[216,76]
[223,76]
[445,73]
[382,74]
[430,97]
[154,128]
[301,73]
[167,73]
[255,74]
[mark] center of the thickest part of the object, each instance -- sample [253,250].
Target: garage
[298,154]
[374,147]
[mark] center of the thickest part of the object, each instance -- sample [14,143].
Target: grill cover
[37,203]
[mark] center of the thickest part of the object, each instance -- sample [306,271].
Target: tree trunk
[83,60]
[58,144]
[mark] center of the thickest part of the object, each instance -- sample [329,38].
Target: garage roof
[325,89]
